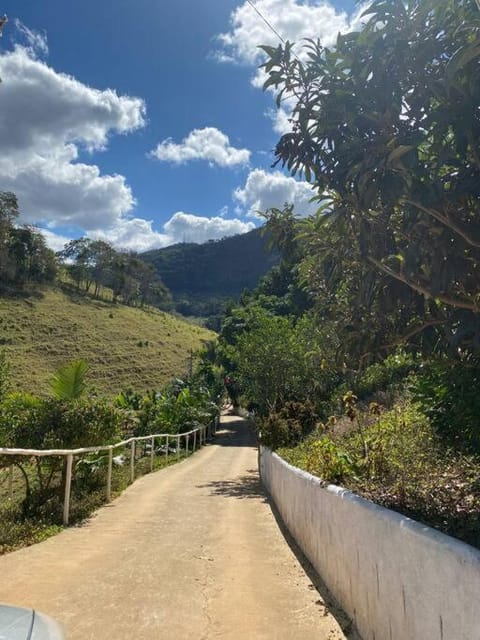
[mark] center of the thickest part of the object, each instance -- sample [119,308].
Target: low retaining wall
[396,579]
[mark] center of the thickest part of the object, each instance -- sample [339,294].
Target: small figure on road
[233,390]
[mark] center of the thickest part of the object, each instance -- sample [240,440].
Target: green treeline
[92,265]
[24,256]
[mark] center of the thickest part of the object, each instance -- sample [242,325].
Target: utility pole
[190,363]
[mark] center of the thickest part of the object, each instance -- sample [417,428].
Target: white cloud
[185,227]
[294,20]
[137,234]
[263,190]
[35,40]
[208,144]
[281,119]
[54,240]
[45,118]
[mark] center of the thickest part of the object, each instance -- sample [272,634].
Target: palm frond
[68,383]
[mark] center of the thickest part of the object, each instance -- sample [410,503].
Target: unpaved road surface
[192,551]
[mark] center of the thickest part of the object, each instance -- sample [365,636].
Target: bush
[32,423]
[448,393]
[178,408]
[383,375]
[322,456]
[288,425]
[397,459]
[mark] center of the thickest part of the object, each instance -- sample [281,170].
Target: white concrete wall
[396,579]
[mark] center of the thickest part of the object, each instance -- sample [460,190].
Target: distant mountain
[201,276]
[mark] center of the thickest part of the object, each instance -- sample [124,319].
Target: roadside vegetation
[31,500]
[360,352]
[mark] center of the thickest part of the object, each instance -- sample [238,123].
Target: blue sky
[144,123]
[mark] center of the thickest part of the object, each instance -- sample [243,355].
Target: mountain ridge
[201,277]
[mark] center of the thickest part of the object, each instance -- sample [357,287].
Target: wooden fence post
[152,453]
[187,437]
[132,461]
[195,440]
[178,447]
[68,486]
[109,474]
[166,450]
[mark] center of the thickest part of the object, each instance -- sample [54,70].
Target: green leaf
[68,383]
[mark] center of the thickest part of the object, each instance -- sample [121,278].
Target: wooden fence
[194,438]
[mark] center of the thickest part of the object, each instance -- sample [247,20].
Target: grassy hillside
[125,347]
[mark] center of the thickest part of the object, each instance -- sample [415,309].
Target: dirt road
[192,551]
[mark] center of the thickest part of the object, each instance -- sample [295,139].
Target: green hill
[124,346]
[201,276]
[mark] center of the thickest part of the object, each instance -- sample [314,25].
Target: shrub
[382,375]
[33,423]
[396,446]
[288,425]
[448,393]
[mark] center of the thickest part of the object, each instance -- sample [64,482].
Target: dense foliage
[95,264]
[359,352]
[24,256]
[385,126]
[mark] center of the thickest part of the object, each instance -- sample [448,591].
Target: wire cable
[269,25]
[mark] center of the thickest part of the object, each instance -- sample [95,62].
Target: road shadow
[246,486]
[235,432]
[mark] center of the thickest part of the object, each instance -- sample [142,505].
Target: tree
[78,256]
[386,128]
[272,366]
[24,255]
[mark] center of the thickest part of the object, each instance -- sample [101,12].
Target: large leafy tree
[386,127]
[24,255]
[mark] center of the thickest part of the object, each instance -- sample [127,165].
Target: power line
[269,25]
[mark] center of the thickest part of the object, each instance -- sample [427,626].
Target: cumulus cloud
[45,119]
[185,227]
[134,234]
[281,118]
[294,20]
[139,235]
[54,241]
[263,190]
[209,144]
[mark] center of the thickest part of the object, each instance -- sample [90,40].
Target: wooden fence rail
[205,432]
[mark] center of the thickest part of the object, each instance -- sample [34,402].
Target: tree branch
[413,332]
[419,288]
[446,221]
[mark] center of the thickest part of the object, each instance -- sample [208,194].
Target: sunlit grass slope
[125,347]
